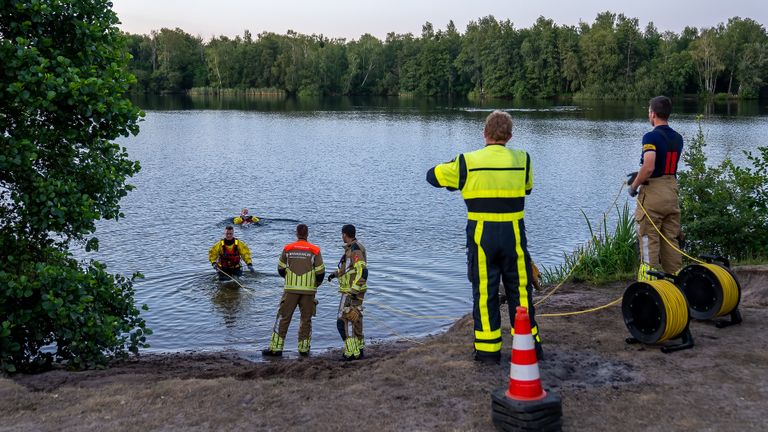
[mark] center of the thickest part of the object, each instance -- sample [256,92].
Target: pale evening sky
[349,19]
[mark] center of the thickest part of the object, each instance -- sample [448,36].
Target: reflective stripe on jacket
[668,146]
[302,264]
[493,181]
[353,268]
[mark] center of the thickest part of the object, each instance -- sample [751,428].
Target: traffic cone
[525,406]
[524,377]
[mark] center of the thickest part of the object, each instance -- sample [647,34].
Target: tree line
[609,58]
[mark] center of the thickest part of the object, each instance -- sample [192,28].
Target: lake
[361,161]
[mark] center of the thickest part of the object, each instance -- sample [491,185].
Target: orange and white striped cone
[524,405]
[524,377]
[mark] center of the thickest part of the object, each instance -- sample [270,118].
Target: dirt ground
[719,385]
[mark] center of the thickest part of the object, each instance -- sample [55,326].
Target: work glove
[331,276]
[215,267]
[250,268]
[631,179]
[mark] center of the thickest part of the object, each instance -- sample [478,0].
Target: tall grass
[606,257]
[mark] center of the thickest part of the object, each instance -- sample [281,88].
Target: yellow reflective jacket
[493,181]
[353,268]
[301,264]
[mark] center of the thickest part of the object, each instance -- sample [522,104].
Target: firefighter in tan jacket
[352,273]
[302,267]
[662,148]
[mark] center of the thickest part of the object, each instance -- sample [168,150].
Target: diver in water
[246,217]
[226,254]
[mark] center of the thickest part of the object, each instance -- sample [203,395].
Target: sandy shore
[719,385]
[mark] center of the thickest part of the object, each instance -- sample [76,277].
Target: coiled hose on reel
[712,291]
[656,311]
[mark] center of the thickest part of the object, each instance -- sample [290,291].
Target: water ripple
[361,166]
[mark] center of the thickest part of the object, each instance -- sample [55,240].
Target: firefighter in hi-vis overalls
[494,182]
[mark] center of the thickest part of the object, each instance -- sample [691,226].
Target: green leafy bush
[725,207]
[83,315]
[62,103]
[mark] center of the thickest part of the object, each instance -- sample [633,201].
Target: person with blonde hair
[494,182]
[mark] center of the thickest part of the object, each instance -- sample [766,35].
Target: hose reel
[712,290]
[656,311]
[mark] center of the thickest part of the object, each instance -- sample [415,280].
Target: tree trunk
[216,67]
[629,46]
[370,68]
[730,82]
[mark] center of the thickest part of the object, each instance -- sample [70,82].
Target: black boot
[539,351]
[345,357]
[269,353]
[487,358]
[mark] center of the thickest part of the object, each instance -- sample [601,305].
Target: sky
[350,19]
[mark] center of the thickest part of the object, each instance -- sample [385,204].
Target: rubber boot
[539,351]
[304,347]
[351,349]
[487,358]
[275,346]
[642,276]
[361,345]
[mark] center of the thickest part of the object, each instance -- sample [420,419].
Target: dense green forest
[610,58]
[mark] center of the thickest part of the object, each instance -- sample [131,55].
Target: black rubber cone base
[527,417]
[513,415]
[510,423]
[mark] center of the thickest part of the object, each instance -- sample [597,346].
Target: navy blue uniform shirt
[668,146]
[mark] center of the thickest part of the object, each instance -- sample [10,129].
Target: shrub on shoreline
[724,207]
[62,104]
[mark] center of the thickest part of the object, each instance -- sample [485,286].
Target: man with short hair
[661,152]
[301,265]
[226,254]
[352,273]
[494,182]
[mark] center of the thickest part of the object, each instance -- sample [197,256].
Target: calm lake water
[327,163]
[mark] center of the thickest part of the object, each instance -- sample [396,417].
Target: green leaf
[55,300]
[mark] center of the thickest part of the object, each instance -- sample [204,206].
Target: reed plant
[608,255]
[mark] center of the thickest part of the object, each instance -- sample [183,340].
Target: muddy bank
[719,385]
